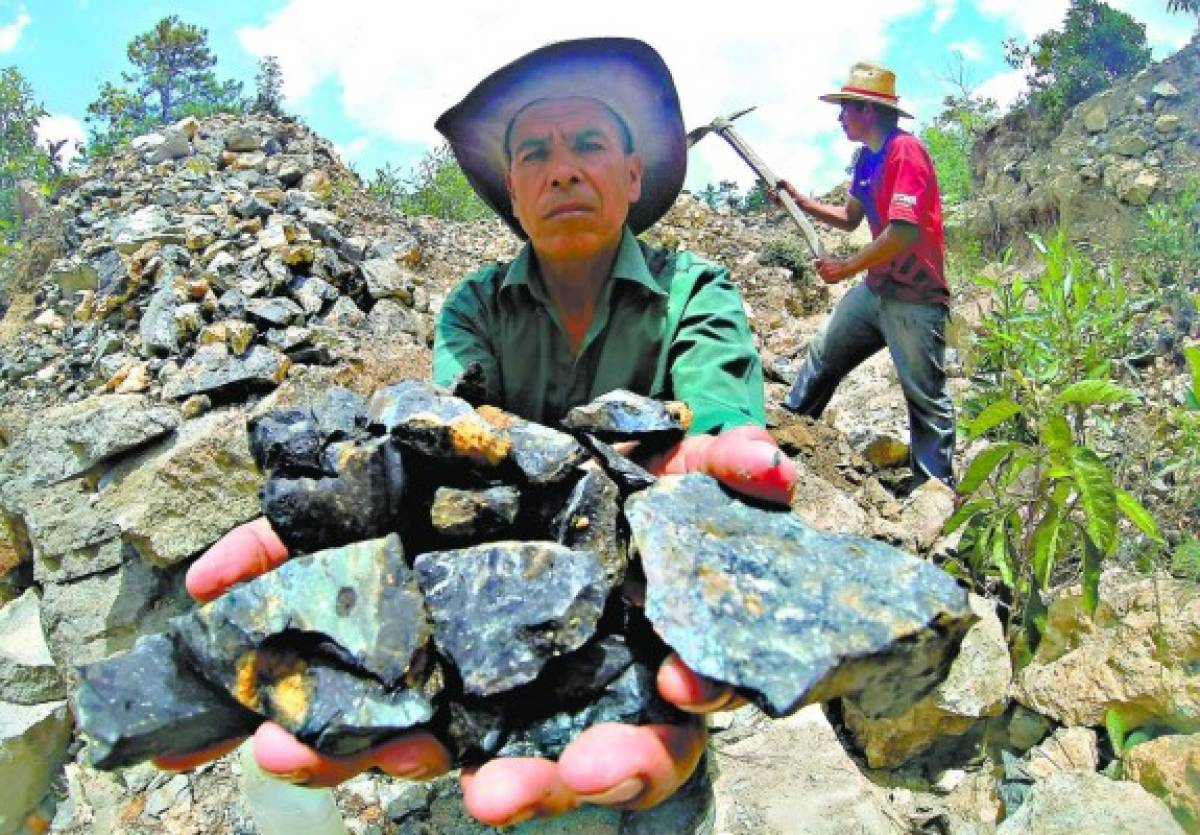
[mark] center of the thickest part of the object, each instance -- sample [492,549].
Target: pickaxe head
[719,123]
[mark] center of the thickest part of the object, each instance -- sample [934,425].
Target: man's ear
[636,166]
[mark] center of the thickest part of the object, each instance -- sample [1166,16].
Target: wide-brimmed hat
[869,82]
[623,73]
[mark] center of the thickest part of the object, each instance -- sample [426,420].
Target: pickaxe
[724,127]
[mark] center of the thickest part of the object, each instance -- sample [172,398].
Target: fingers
[692,692]
[631,767]
[414,756]
[245,552]
[186,762]
[513,790]
[751,465]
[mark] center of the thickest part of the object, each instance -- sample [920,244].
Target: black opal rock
[340,414]
[481,514]
[438,426]
[629,476]
[501,610]
[624,416]
[364,500]
[588,522]
[788,614]
[543,456]
[287,439]
[148,702]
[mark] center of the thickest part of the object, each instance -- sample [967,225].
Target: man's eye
[534,156]
[589,146]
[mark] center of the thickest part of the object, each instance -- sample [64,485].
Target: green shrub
[436,187]
[1168,240]
[1042,499]
[1096,45]
[789,252]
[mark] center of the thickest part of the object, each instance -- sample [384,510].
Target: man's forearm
[895,239]
[835,216]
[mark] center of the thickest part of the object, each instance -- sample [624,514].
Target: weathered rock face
[1132,657]
[795,608]
[1169,768]
[1071,802]
[1117,151]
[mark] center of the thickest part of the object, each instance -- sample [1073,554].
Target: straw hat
[869,82]
[625,74]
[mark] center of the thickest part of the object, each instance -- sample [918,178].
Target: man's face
[570,179]
[855,118]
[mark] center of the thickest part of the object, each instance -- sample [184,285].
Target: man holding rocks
[578,146]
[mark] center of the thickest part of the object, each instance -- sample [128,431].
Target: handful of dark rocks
[464,570]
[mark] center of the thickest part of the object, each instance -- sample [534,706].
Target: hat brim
[835,98]
[626,74]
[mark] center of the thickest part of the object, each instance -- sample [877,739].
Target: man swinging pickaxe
[724,127]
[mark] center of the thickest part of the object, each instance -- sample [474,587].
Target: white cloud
[10,33]
[1004,87]
[396,67]
[970,50]
[352,149]
[58,126]
[1030,19]
[943,11]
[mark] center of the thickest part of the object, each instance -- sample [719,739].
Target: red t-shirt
[898,183]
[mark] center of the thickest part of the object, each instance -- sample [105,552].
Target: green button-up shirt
[667,325]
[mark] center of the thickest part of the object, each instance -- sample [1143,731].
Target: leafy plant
[1095,45]
[949,139]
[1042,497]
[1168,241]
[789,252]
[436,186]
[268,85]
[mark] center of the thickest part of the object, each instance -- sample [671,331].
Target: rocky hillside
[1133,144]
[223,267]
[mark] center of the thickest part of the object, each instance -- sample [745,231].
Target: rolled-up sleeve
[463,335]
[713,364]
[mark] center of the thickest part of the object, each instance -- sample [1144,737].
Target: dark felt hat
[625,74]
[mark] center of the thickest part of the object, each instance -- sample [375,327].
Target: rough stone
[1165,90]
[1067,749]
[1137,191]
[69,440]
[149,702]
[482,514]
[975,687]
[886,452]
[33,745]
[326,645]
[532,601]
[387,280]
[241,138]
[27,672]
[803,616]
[181,501]
[1169,768]
[68,535]
[174,145]
[629,476]
[541,454]
[1168,124]
[158,329]
[1129,145]
[589,520]
[925,512]
[275,312]
[1072,802]
[362,499]
[1131,657]
[624,416]
[434,424]
[214,371]
[73,274]
[1095,118]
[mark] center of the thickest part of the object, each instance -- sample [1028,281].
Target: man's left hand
[745,459]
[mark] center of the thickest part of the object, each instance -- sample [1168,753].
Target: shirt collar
[629,266]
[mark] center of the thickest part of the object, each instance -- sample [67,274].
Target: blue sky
[372,75]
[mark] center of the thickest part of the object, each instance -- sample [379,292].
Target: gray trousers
[915,334]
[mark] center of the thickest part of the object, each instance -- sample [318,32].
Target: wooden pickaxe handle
[770,180]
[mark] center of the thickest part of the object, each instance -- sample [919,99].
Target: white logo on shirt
[904,199]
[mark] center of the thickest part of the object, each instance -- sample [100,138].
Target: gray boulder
[33,744]
[27,672]
[1074,802]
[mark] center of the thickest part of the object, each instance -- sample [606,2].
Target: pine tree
[269,85]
